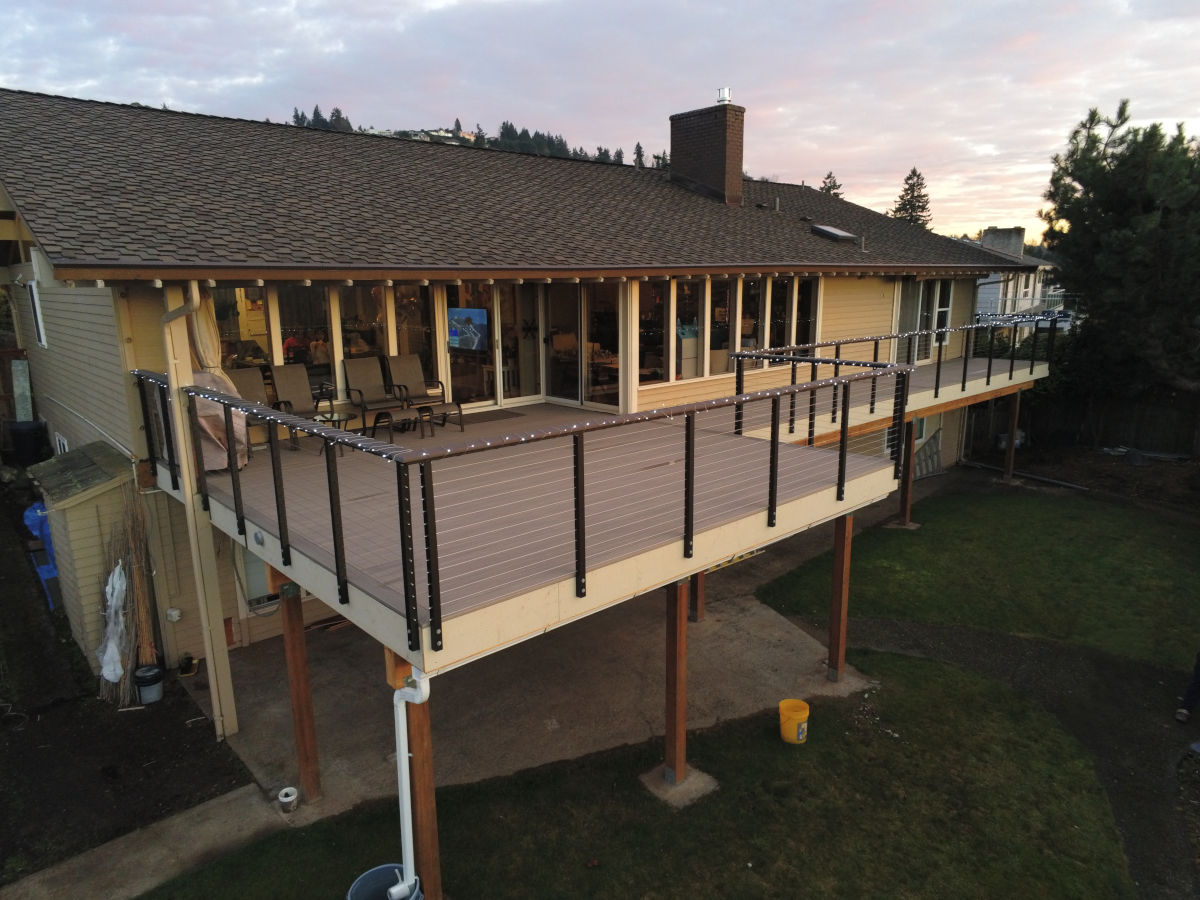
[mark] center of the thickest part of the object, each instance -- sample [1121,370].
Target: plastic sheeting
[113,647]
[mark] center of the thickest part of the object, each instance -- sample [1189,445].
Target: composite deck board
[505,517]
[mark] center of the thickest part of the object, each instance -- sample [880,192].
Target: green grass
[1063,566]
[940,783]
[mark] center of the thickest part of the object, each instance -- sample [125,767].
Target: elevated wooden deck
[505,520]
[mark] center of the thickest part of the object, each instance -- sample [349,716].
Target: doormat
[495,415]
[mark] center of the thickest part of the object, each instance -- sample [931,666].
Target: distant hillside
[518,140]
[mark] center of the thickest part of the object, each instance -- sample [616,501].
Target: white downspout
[415,690]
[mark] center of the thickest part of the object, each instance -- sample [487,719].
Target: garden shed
[85,492]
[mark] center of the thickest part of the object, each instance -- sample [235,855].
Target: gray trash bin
[373,884]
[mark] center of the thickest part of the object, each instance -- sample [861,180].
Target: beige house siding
[952,434]
[79,378]
[854,308]
[81,534]
[962,312]
[694,390]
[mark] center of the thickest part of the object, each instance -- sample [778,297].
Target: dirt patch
[77,771]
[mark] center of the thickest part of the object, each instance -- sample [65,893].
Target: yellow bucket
[793,721]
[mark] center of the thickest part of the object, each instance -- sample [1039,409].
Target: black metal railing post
[335,518]
[937,366]
[689,484]
[843,442]
[739,387]
[431,556]
[812,407]
[164,411]
[408,563]
[235,477]
[580,522]
[991,352]
[1050,343]
[1033,347]
[968,349]
[837,370]
[773,478]
[148,426]
[197,453]
[1012,350]
[285,540]
[792,403]
[898,420]
[874,358]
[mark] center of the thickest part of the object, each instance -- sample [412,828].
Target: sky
[977,96]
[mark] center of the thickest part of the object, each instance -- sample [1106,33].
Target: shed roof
[72,476]
[103,186]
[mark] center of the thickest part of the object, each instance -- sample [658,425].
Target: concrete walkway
[591,685]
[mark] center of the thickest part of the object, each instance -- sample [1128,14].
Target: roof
[108,187]
[69,476]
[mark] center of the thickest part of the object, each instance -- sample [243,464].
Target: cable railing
[469,523]
[990,337]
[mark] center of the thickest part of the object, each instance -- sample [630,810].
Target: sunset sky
[978,96]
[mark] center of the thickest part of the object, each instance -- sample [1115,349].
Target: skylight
[834,234]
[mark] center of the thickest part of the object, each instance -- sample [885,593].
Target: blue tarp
[37,520]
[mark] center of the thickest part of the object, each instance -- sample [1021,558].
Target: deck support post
[696,598]
[424,801]
[906,477]
[1010,447]
[295,651]
[675,764]
[843,536]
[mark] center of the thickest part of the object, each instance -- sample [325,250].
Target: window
[689,297]
[35,302]
[718,324]
[806,313]
[652,332]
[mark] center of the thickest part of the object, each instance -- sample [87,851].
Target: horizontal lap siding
[79,378]
[855,308]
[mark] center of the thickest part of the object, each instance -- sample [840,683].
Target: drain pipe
[415,690]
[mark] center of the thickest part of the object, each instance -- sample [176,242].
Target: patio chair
[409,382]
[294,394]
[249,384]
[368,391]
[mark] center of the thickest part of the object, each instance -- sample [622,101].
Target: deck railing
[757,413]
[979,340]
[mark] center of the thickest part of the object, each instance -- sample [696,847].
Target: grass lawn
[1059,565]
[938,783]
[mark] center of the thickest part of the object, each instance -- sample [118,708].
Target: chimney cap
[723,95]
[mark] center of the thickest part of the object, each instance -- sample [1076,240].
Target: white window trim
[39,325]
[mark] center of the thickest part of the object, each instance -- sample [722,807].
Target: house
[661,370]
[1029,291]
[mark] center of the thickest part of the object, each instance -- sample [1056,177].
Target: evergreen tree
[619,157]
[481,138]
[457,126]
[317,120]
[1124,224]
[299,118]
[338,122]
[913,203]
[639,156]
[602,155]
[831,186]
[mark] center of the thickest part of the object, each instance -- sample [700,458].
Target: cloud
[978,97]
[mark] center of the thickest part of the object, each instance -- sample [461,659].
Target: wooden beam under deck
[675,736]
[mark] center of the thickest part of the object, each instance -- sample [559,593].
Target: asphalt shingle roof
[105,185]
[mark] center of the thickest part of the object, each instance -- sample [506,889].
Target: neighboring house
[568,292]
[1023,292]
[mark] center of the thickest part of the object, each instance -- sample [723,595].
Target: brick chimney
[1004,240]
[706,150]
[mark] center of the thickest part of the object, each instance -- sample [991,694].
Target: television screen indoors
[468,329]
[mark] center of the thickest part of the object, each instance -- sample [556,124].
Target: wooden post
[843,535]
[696,598]
[424,802]
[906,476]
[1010,449]
[295,651]
[675,766]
